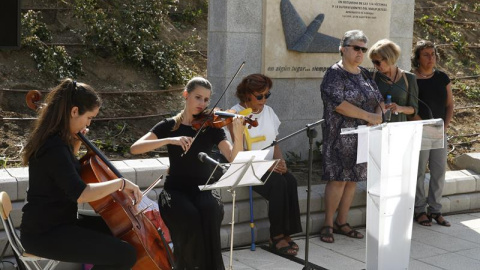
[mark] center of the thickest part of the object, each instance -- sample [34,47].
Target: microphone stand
[311,134]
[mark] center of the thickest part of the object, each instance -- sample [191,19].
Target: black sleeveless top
[433,91]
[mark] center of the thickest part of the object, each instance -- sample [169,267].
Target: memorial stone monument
[294,42]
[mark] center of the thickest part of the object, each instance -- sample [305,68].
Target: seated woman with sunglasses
[399,84]
[281,188]
[349,100]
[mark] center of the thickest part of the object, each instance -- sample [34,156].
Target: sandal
[287,250]
[437,217]
[352,233]
[294,245]
[325,234]
[425,222]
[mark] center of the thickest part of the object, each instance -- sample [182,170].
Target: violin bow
[216,103]
[152,185]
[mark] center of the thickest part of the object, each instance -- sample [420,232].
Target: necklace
[257,111]
[390,80]
[395,77]
[425,76]
[244,105]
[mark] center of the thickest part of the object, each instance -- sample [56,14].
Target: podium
[392,153]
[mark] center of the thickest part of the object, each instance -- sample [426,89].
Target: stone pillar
[401,29]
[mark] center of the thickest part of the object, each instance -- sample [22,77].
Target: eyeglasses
[260,97]
[377,62]
[357,48]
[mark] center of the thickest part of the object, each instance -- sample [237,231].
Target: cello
[117,209]
[121,216]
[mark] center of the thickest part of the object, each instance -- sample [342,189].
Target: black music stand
[246,170]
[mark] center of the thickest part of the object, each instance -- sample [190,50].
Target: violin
[219,119]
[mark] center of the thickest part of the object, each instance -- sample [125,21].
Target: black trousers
[194,218]
[283,209]
[88,241]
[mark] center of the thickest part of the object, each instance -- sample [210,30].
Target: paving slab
[433,248]
[418,265]
[442,241]
[420,250]
[452,261]
[259,259]
[471,253]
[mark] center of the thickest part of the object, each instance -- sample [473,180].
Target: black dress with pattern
[340,151]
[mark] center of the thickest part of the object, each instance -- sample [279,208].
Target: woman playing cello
[49,227]
[193,217]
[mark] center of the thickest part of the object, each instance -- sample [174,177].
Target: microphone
[203,157]
[383,76]
[368,79]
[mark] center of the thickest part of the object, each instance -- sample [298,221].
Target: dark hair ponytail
[54,116]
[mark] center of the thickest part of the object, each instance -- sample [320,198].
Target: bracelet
[123,184]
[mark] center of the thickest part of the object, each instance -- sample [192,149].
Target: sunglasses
[260,97]
[357,48]
[377,62]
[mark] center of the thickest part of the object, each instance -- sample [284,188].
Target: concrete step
[461,192]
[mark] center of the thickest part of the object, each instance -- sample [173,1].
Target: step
[461,193]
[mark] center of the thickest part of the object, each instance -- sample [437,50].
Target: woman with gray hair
[399,84]
[350,99]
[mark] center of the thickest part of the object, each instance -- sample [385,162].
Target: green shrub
[134,32]
[53,61]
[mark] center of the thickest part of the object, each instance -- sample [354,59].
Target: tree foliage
[132,31]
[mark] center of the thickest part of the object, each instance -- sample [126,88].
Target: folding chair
[30,261]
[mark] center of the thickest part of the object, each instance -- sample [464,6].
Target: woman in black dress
[49,227]
[193,217]
[350,99]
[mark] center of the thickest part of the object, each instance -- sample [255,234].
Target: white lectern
[392,152]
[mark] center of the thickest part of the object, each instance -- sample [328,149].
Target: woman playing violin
[281,188]
[193,217]
[50,227]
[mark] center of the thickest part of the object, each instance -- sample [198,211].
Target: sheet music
[243,156]
[256,169]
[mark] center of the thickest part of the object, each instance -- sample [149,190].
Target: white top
[268,124]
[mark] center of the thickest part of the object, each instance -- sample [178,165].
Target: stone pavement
[435,247]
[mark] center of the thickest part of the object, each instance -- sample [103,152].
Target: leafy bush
[51,60]
[191,12]
[134,32]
